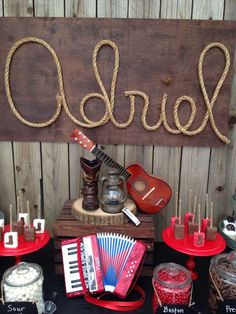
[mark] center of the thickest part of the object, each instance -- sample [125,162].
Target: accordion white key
[102,262]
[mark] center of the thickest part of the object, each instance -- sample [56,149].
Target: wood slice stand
[98,216]
[67,227]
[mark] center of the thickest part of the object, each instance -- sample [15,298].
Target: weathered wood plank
[195,172]
[109,9]
[204,9]
[80,8]
[75,8]
[26,155]
[7,184]
[18,8]
[45,8]
[139,153]
[166,163]
[141,68]
[230,186]
[28,173]
[112,8]
[54,156]
[217,159]
[144,9]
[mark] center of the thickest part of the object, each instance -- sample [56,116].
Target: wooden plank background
[205,170]
[170,51]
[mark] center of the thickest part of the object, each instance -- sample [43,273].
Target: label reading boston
[174,309]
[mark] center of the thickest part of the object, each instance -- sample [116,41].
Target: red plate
[23,246]
[186,246]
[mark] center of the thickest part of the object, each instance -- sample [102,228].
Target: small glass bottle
[24,283]
[172,284]
[222,279]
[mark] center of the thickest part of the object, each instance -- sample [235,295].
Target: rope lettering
[108,98]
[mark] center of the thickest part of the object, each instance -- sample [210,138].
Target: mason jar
[172,284]
[24,283]
[222,279]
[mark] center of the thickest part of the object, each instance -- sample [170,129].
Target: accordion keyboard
[71,268]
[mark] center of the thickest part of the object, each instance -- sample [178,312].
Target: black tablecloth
[163,253]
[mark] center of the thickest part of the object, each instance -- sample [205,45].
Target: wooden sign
[122,81]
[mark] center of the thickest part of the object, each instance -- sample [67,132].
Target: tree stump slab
[98,216]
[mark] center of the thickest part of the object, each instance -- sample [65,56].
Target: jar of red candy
[172,284]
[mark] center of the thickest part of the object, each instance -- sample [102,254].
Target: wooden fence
[204,170]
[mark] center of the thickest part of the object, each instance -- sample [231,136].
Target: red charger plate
[186,245]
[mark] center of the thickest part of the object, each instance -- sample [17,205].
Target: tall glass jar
[172,284]
[222,279]
[24,283]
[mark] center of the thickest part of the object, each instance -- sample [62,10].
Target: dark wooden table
[54,282]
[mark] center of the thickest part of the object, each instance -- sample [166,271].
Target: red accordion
[102,262]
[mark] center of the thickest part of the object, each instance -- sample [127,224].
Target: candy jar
[172,284]
[222,279]
[24,283]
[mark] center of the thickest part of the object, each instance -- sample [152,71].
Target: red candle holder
[24,247]
[186,246]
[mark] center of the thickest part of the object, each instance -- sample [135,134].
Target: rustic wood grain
[132,75]
[7,185]
[217,158]
[18,8]
[54,156]
[169,171]
[26,154]
[80,8]
[144,9]
[139,153]
[75,8]
[109,9]
[230,186]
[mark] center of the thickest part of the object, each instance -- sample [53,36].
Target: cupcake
[230,231]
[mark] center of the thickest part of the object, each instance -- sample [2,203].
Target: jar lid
[22,274]
[226,265]
[171,274]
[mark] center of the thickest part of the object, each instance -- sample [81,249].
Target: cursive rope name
[109,98]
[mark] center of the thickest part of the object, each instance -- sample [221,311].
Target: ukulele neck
[110,162]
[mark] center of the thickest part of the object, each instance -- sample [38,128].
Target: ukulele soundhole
[139,185]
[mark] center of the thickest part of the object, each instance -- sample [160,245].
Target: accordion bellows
[102,262]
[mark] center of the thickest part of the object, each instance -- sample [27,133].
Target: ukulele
[150,193]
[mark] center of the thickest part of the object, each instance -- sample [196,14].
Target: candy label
[174,309]
[227,306]
[18,308]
